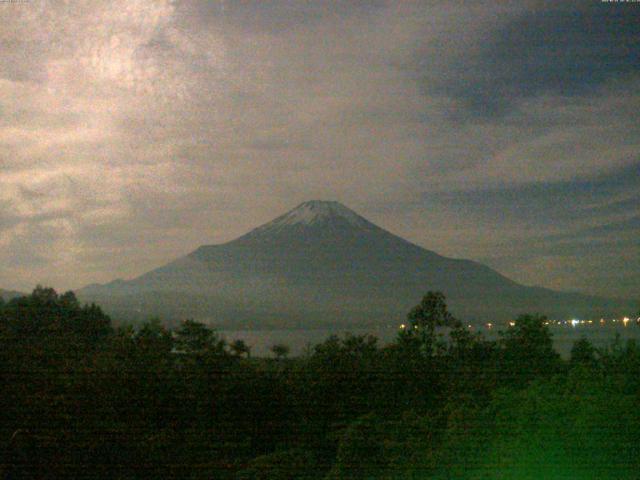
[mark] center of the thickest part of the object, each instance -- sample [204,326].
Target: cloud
[133,131]
[566,49]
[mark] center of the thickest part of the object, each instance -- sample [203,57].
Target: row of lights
[574,323]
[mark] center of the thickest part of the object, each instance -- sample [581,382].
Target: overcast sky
[133,131]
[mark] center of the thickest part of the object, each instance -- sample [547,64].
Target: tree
[284,465]
[361,450]
[69,300]
[42,294]
[154,338]
[425,317]
[583,352]
[44,316]
[280,350]
[196,337]
[527,350]
[240,348]
[344,377]
[558,428]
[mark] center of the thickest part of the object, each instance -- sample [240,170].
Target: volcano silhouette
[322,264]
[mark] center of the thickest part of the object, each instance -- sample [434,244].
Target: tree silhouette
[423,319]
[196,337]
[79,399]
[280,350]
[240,348]
[527,350]
[583,352]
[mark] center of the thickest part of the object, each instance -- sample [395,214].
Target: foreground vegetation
[82,399]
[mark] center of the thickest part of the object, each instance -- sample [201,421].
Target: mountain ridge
[319,262]
[10,294]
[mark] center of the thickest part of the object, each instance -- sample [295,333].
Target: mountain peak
[316,213]
[317,210]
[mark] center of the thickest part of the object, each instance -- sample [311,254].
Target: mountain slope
[321,263]
[7,295]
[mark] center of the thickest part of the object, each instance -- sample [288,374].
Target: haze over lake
[301,341]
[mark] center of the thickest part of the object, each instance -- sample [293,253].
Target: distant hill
[9,294]
[323,264]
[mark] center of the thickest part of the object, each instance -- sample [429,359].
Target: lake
[298,340]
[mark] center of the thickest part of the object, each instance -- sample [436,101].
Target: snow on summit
[315,212]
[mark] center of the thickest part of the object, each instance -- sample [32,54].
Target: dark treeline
[82,399]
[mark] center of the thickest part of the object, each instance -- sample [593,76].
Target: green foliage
[280,350]
[527,350]
[375,447]
[80,399]
[361,450]
[342,378]
[46,317]
[196,338]
[240,348]
[550,431]
[424,318]
[287,465]
[583,353]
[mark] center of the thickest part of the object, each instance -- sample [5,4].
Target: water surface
[298,340]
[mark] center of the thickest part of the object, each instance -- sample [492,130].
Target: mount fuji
[322,264]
